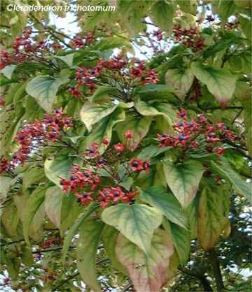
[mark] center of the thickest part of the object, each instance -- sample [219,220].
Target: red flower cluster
[4,165]
[32,135]
[25,48]
[80,179]
[138,165]
[50,242]
[190,38]
[189,130]
[79,42]
[114,195]
[133,70]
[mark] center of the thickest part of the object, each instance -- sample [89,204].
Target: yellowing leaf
[212,214]
[53,203]
[147,272]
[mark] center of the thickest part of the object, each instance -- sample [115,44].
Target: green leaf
[241,186]
[8,71]
[31,176]
[156,109]
[5,183]
[90,233]
[53,203]
[104,129]
[33,204]
[109,238]
[55,169]
[69,202]
[165,202]
[213,213]
[139,128]
[10,220]
[220,82]
[181,240]
[103,94]
[137,222]
[245,23]
[180,80]
[44,89]
[67,59]
[157,92]
[147,272]
[75,227]
[92,113]
[183,179]
[162,13]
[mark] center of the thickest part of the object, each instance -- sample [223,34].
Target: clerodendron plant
[111,165]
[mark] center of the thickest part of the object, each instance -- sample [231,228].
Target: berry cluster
[137,165]
[79,42]
[79,180]
[133,71]
[113,195]
[35,134]
[188,133]
[50,242]
[190,38]
[26,49]
[83,184]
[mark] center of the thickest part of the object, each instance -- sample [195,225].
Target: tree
[125,173]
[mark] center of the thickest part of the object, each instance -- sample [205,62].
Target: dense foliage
[125,172]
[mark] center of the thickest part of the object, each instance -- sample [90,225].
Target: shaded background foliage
[202,55]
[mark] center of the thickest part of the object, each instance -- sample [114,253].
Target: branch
[214,261]
[52,31]
[201,277]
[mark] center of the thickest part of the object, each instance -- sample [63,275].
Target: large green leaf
[33,204]
[180,80]
[183,179]
[220,82]
[137,222]
[32,175]
[92,113]
[67,59]
[213,213]
[109,238]
[104,128]
[147,272]
[5,183]
[181,240]
[156,109]
[103,94]
[10,220]
[8,71]
[69,202]
[139,128]
[75,227]
[157,92]
[90,233]
[53,203]
[225,169]
[159,198]
[44,89]
[55,169]
[162,13]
